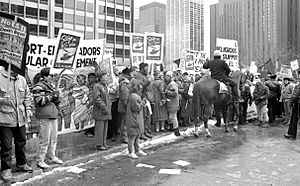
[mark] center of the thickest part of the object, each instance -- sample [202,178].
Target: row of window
[71,3]
[114,12]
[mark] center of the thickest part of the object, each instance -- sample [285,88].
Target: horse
[206,98]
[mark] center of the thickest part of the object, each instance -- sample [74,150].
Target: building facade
[152,18]
[185,27]
[265,29]
[96,19]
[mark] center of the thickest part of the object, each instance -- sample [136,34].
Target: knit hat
[169,73]
[126,71]
[217,53]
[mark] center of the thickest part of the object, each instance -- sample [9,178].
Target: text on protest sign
[154,47]
[229,52]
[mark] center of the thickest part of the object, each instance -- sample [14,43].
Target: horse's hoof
[226,130]
[196,136]
[208,135]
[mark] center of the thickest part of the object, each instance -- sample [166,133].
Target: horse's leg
[237,109]
[225,116]
[207,113]
[218,115]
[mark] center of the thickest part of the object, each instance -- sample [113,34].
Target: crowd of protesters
[130,109]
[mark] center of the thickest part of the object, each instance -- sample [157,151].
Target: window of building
[101,9]
[127,2]
[17,10]
[79,20]
[101,24]
[45,2]
[127,53]
[127,40]
[69,18]
[33,29]
[110,25]
[43,14]
[119,40]
[110,11]
[119,27]
[101,35]
[120,2]
[70,4]
[58,17]
[56,30]
[89,35]
[119,52]
[59,3]
[110,38]
[31,12]
[80,5]
[120,13]
[35,1]
[127,14]
[111,1]
[127,28]
[43,30]
[89,21]
[90,7]
[4,7]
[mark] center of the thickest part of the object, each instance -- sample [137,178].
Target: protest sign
[199,61]
[285,71]
[251,111]
[137,48]
[40,54]
[89,51]
[294,65]
[68,43]
[107,65]
[154,47]
[229,52]
[14,35]
[253,68]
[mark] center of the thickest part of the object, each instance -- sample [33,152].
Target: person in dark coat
[101,110]
[274,97]
[294,104]
[134,119]
[246,95]
[220,71]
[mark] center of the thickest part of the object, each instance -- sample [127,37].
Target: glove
[29,113]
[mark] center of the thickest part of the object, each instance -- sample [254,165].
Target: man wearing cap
[286,94]
[274,96]
[220,70]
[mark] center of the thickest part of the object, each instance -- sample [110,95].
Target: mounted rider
[220,71]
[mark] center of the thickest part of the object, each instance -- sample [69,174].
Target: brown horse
[206,98]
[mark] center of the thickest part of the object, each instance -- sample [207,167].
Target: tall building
[152,18]
[265,29]
[185,27]
[96,19]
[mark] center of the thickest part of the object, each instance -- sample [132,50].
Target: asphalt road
[252,156]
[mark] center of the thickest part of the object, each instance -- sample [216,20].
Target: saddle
[223,88]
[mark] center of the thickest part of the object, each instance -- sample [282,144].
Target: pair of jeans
[47,138]
[173,119]
[262,113]
[6,136]
[133,144]
[101,127]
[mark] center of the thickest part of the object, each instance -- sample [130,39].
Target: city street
[253,156]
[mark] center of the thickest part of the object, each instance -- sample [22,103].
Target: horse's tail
[196,102]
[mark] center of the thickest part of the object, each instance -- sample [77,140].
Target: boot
[148,135]
[176,132]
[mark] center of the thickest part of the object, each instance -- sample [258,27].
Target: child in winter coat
[260,96]
[134,118]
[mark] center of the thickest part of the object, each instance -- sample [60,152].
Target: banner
[253,68]
[108,66]
[200,60]
[89,52]
[285,71]
[251,111]
[154,47]
[137,48]
[229,52]
[14,35]
[294,65]
[68,43]
[40,54]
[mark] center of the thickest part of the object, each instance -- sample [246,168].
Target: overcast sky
[139,3]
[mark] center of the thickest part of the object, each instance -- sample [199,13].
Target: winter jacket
[134,115]
[102,103]
[286,92]
[124,84]
[219,69]
[46,101]
[295,96]
[146,85]
[13,110]
[158,89]
[173,96]
[246,93]
[274,89]
[261,94]
[113,89]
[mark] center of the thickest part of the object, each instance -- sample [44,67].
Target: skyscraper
[152,18]
[110,19]
[185,27]
[265,29]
